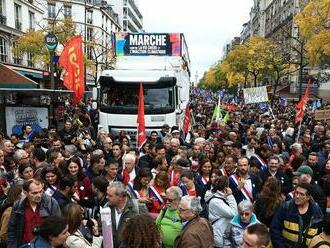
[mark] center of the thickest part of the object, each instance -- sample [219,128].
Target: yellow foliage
[314,26]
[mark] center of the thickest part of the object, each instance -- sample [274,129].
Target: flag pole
[299,130]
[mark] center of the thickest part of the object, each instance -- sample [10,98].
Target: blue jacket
[287,226]
[38,242]
[48,207]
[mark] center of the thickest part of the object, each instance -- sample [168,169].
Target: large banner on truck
[255,95]
[139,44]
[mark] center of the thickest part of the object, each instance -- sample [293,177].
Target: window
[3,50]
[89,17]
[30,59]
[51,10]
[18,16]
[67,11]
[16,56]
[89,53]
[31,20]
[89,34]
[2,8]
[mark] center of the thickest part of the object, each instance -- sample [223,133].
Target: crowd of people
[251,180]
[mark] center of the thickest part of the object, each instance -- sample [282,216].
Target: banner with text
[322,114]
[255,95]
[16,117]
[139,44]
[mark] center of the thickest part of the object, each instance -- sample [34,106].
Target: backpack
[205,212]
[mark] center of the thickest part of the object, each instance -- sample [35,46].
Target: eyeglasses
[183,209]
[170,200]
[244,213]
[300,193]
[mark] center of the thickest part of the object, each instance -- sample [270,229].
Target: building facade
[129,15]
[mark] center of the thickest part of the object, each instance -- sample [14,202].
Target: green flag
[226,118]
[217,116]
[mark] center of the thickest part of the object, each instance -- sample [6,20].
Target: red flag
[72,59]
[142,137]
[187,121]
[302,105]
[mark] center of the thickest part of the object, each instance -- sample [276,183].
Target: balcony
[3,20]
[18,25]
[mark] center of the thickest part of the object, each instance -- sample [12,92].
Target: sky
[207,25]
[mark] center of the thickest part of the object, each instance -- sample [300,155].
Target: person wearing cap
[176,134]
[297,221]
[305,174]
[227,147]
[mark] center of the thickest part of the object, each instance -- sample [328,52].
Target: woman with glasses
[233,237]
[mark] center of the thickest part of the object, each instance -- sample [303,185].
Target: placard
[16,117]
[322,114]
[255,95]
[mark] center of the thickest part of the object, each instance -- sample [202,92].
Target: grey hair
[176,191]
[194,203]
[97,152]
[245,206]
[129,156]
[175,141]
[295,146]
[175,159]
[18,155]
[120,188]
[72,149]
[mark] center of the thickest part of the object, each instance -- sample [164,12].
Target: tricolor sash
[156,195]
[263,164]
[201,181]
[224,172]
[290,195]
[133,191]
[246,194]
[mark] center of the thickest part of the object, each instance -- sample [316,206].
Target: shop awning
[9,78]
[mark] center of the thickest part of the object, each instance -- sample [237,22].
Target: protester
[168,220]
[197,231]
[140,231]
[222,208]
[28,212]
[74,215]
[233,236]
[256,236]
[296,222]
[53,232]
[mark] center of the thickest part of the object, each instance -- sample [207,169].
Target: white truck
[161,62]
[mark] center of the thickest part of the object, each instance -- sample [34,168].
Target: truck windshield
[126,99]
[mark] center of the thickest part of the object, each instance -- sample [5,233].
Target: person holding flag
[301,106]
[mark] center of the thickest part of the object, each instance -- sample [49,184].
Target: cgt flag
[142,137]
[302,105]
[72,60]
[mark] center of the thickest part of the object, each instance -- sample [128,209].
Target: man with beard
[244,185]
[273,171]
[67,188]
[305,174]
[29,212]
[296,222]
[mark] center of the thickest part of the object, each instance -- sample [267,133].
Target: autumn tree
[314,26]
[33,43]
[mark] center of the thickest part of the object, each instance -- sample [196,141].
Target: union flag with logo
[72,60]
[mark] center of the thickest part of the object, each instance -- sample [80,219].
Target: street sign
[322,114]
[51,41]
